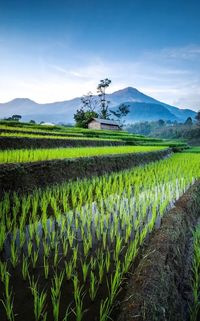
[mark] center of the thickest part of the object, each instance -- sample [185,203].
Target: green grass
[61,137]
[195,308]
[31,155]
[193,150]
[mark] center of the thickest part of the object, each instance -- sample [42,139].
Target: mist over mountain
[142,107]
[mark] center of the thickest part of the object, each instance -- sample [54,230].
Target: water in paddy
[96,237]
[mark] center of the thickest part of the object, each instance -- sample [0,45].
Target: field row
[26,135]
[33,155]
[66,249]
[72,133]
[66,131]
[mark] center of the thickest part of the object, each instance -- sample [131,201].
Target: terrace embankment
[27,176]
[159,288]
[34,143]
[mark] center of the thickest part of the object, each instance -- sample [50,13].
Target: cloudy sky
[56,50]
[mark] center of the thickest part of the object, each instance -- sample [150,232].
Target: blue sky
[57,50]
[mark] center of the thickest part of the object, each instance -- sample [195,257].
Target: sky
[57,50]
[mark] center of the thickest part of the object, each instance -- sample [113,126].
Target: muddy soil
[34,143]
[159,288]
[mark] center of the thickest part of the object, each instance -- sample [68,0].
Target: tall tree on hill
[121,112]
[104,103]
[89,102]
[87,110]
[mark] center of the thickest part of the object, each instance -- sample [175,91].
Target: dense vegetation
[188,131]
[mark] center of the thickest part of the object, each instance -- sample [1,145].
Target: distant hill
[142,107]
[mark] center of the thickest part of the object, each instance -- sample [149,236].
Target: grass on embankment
[30,155]
[195,308]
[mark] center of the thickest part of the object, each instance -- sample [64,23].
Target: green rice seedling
[115,282]
[57,281]
[85,268]
[70,235]
[13,253]
[93,262]
[128,233]
[107,261]
[65,246]
[55,259]
[94,285]
[29,248]
[104,240]
[35,206]
[22,238]
[43,206]
[56,293]
[34,258]
[112,235]
[128,259]
[53,239]
[118,248]
[143,234]
[46,249]
[86,247]
[104,310]
[78,298]
[75,256]
[8,299]
[39,301]
[44,227]
[37,239]
[3,271]
[25,266]
[46,267]
[69,267]
[2,236]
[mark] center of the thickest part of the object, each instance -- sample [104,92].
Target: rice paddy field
[31,155]
[65,250]
[24,130]
[194,149]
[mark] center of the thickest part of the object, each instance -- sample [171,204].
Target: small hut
[97,123]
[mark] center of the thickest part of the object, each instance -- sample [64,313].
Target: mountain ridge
[142,107]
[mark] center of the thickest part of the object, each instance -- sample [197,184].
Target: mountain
[142,107]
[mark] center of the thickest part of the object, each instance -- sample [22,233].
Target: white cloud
[163,74]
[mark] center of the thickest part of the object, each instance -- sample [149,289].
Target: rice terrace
[99,160]
[83,248]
